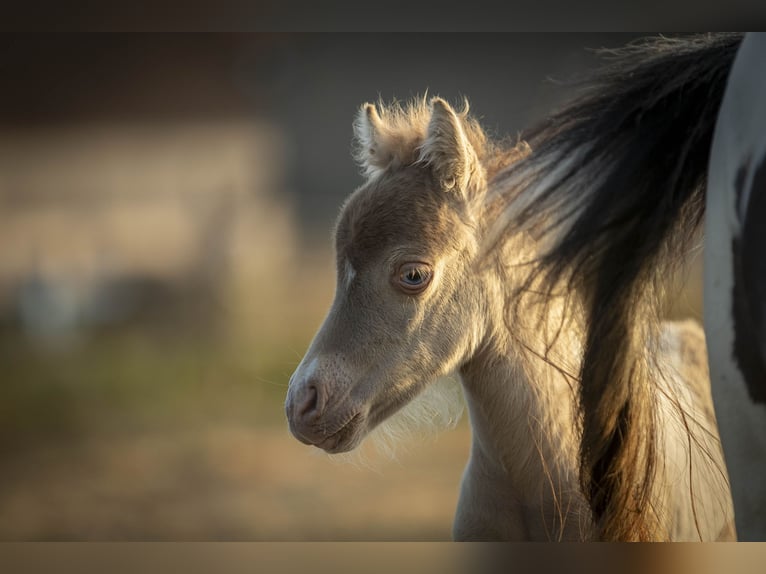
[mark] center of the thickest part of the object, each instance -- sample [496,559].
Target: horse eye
[414,277]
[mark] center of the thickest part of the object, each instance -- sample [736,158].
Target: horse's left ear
[447,148]
[369,132]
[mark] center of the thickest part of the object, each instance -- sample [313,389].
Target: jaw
[435,407]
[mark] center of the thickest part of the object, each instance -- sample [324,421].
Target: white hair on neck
[437,408]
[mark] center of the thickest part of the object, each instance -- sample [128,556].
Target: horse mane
[615,186]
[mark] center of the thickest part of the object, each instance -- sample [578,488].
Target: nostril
[309,402]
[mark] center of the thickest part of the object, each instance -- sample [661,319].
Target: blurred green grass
[129,382]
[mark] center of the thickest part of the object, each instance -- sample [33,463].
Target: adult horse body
[417,298]
[735,282]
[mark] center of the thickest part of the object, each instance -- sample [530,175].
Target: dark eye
[414,277]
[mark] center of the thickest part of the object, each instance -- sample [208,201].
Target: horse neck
[521,405]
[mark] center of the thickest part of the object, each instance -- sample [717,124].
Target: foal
[413,303]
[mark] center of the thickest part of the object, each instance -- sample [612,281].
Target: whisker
[268,382]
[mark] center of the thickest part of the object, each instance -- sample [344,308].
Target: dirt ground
[228,483]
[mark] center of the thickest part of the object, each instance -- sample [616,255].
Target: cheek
[445,325]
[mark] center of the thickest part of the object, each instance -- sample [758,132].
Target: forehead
[405,208]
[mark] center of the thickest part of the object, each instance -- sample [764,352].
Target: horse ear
[368,128]
[447,148]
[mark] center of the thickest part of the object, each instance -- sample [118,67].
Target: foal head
[408,300]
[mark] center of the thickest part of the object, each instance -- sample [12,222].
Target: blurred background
[166,203]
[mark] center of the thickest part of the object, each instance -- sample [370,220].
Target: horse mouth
[344,439]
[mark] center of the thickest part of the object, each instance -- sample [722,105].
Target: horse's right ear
[368,131]
[447,148]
